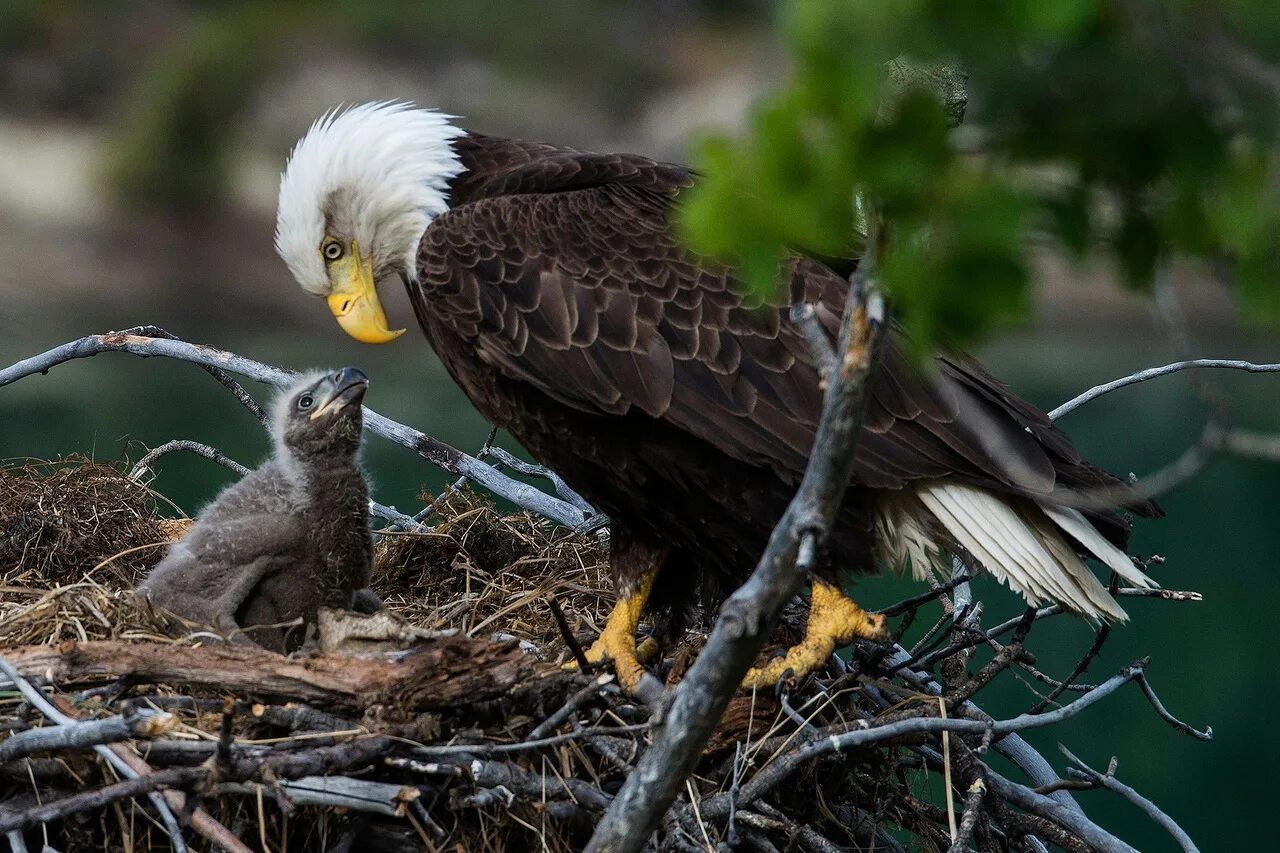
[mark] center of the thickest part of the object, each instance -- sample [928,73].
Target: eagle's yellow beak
[354,300]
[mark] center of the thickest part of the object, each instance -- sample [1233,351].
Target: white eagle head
[355,198]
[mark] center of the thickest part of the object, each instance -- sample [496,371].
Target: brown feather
[663,391]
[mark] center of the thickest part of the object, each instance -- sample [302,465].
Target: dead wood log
[438,675]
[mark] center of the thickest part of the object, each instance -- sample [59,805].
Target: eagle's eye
[305,402]
[332,250]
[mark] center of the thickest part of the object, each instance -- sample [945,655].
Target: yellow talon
[617,643]
[834,621]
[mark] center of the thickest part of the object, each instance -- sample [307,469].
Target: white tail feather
[1023,546]
[1079,528]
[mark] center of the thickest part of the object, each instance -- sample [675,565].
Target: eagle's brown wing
[586,295]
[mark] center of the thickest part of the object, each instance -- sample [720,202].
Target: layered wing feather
[561,270]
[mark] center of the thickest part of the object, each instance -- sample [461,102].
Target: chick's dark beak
[340,390]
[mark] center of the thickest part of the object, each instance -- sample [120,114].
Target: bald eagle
[549,282]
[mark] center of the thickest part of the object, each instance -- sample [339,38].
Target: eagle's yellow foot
[834,621]
[617,643]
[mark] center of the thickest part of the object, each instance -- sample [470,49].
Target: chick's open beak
[354,300]
[342,389]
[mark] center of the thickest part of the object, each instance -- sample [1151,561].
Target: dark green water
[1211,662]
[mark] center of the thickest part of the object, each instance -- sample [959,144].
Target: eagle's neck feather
[376,173]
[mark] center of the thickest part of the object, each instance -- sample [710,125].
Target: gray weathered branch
[1154,372]
[433,450]
[141,723]
[1111,783]
[750,614]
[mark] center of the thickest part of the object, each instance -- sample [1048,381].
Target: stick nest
[477,740]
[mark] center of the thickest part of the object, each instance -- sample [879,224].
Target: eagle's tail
[1030,546]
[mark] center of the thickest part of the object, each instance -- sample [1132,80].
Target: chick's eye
[305,402]
[332,251]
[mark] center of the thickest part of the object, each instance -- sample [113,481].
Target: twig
[527,745]
[1049,808]
[75,735]
[213,454]
[576,701]
[969,818]
[530,469]
[1147,690]
[362,795]
[1153,372]
[584,666]
[748,616]
[226,380]
[1107,780]
[1081,666]
[123,767]
[863,734]
[923,598]
[175,777]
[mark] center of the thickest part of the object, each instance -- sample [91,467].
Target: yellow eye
[331,250]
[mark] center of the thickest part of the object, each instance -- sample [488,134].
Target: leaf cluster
[1144,129]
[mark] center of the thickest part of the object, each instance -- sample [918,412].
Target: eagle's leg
[617,643]
[834,621]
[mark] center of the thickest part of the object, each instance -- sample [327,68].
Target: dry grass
[72,519]
[77,535]
[485,573]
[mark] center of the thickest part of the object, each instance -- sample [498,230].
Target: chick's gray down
[289,538]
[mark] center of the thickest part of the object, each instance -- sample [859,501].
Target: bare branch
[433,450]
[969,818]
[213,454]
[1154,372]
[1111,783]
[75,735]
[1047,807]
[750,614]
[38,701]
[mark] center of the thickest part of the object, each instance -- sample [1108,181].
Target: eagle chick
[291,537]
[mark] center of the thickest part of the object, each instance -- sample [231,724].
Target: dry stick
[826,741]
[433,450]
[969,819]
[1153,372]
[110,753]
[381,798]
[1214,438]
[175,777]
[579,656]
[529,469]
[1046,807]
[1108,780]
[1081,666]
[213,454]
[1012,747]
[139,723]
[226,380]
[750,614]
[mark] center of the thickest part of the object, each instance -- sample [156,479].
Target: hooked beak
[354,300]
[342,389]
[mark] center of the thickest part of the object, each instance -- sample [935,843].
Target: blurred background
[140,147]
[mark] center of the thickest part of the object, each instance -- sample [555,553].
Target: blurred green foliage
[1145,129]
[174,139]
[176,147]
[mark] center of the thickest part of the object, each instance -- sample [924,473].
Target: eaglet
[291,537]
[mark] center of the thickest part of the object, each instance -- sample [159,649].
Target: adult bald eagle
[551,286]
